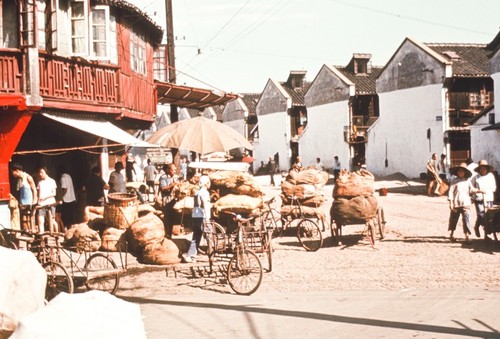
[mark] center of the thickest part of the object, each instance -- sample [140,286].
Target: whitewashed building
[282,118]
[240,114]
[428,93]
[485,130]
[341,104]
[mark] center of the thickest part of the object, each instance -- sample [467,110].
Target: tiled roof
[468,60]
[157,31]
[297,94]
[250,100]
[365,83]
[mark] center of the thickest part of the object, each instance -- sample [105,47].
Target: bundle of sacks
[307,186]
[353,198]
[232,191]
[144,237]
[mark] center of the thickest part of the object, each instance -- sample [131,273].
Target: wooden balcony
[82,85]
[78,80]
[11,78]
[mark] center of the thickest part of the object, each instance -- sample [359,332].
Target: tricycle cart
[70,266]
[492,220]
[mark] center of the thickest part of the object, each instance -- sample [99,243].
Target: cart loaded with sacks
[354,203]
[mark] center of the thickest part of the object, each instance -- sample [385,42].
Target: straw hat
[463,166]
[483,163]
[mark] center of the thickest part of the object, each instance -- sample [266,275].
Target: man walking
[271,167]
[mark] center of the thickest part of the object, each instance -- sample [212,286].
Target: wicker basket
[120,216]
[122,199]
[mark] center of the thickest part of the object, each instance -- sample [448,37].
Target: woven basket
[120,216]
[122,199]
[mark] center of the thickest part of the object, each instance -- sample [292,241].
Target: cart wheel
[309,235]
[107,278]
[244,272]
[381,222]
[58,280]
[212,242]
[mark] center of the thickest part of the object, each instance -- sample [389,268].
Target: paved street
[334,314]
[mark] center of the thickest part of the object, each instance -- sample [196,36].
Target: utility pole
[174,115]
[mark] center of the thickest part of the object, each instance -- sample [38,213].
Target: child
[484,188]
[459,197]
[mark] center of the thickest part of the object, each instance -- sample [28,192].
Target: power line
[406,17]
[226,24]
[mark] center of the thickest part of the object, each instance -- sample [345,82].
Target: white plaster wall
[405,116]
[486,144]
[238,125]
[273,138]
[496,94]
[324,135]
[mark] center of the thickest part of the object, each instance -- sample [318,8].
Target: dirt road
[416,253]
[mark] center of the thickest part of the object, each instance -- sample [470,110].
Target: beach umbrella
[200,135]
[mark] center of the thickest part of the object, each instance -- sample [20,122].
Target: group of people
[40,198]
[467,189]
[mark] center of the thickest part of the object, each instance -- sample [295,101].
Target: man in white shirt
[46,196]
[68,206]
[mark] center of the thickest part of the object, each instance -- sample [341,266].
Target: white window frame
[106,29]
[41,22]
[139,41]
[86,30]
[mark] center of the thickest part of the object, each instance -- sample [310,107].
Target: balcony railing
[10,72]
[78,80]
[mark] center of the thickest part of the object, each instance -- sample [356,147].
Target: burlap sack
[301,191]
[352,184]
[311,176]
[237,204]
[185,205]
[357,210]
[146,230]
[309,212]
[114,240]
[231,182]
[86,239]
[144,209]
[162,253]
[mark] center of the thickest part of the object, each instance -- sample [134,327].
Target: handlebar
[239,218]
[270,201]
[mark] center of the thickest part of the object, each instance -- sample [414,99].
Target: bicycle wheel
[58,280]
[244,272]
[107,277]
[309,235]
[268,246]
[381,222]
[215,237]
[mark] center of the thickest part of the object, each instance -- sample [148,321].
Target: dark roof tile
[472,59]
[364,83]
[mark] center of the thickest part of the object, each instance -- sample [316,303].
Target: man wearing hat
[484,187]
[459,197]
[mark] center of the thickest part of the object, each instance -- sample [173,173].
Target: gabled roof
[364,83]
[250,100]
[494,44]
[468,60]
[296,94]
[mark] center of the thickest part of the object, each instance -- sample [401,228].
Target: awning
[191,97]
[100,128]
[491,127]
